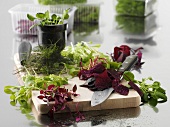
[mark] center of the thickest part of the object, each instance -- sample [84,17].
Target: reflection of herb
[85,28]
[53,2]
[136,25]
[87,13]
[129,24]
[131,7]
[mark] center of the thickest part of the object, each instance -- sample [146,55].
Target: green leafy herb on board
[73,57]
[22,94]
[153,93]
[46,60]
[54,70]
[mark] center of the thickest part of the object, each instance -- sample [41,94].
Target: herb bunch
[46,19]
[131,7]
[152,91]
[45,60]
[22,93]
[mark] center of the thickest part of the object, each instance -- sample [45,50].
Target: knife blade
[99,97]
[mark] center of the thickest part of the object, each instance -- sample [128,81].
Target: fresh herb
[131,7]
[22,94]
[84,61]
[71,1]
[46,19]
[152,92]
[54,2]
[45,60]
[99,77]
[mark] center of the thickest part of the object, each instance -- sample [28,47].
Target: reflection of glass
[133,26]
[85,29]
[148,41]
[87,13]
[87,32]
[136,25]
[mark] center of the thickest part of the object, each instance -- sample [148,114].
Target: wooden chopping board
[84,100]
[44,119]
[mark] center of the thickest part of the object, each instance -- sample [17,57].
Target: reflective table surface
[155,55]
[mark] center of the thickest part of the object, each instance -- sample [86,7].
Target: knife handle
[128,63]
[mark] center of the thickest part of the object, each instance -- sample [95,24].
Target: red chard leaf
[50,87]
[102,80]
[84,74]
[115,83]
[41,91]
[99,68]
[135,87]
[40,96]
[116,53]
[74,88]
[123,90]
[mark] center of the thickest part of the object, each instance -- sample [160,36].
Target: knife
[99,97]
[24,51]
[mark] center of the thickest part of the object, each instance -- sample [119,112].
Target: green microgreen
[47,19]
